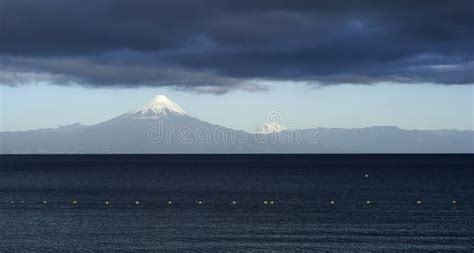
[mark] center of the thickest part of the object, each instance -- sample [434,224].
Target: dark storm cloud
[216,46]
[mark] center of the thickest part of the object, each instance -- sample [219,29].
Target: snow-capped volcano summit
[270,127]
[160,106]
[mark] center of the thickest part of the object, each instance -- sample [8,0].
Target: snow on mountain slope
[270,127]
[160,106]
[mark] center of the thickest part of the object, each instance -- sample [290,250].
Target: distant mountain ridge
[161,126]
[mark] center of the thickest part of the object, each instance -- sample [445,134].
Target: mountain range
[161,126]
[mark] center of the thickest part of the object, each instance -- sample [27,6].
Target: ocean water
[121,202]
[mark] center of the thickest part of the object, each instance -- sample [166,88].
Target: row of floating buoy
[199,202]
[234,202]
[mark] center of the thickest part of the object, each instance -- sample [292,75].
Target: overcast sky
[404,63]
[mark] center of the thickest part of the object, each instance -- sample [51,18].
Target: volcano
[162,126]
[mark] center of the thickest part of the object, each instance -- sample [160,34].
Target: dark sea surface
[298,214]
